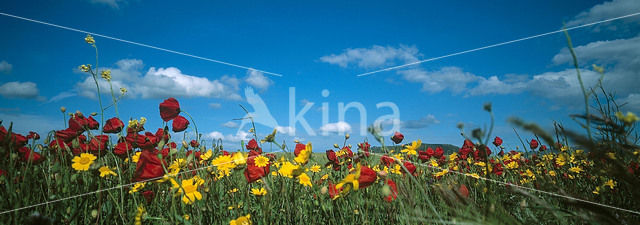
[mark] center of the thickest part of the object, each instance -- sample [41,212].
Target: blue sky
[317,46]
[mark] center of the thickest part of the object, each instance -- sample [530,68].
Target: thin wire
[521,187]
[116,187]
[138,44]
[498,44]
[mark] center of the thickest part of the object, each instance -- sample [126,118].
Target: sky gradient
[317,46]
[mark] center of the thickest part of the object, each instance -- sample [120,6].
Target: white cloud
[5,67]
[160,83]
[451,78]
[61,95]
[111,3]
[605,11]
[286,130]
[375,56]
[18,89]
[230,124]
[339,127]
[632,102]
[230,138]
[258,80]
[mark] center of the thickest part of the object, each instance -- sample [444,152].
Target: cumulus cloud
[5,67]
[339,127]
[16,89]
[286,130]
[230,124]
[608,10]
[447,78]
[375,56]
[230,138]
[258,80]
[160,83]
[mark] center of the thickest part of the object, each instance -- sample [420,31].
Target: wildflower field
[103,169]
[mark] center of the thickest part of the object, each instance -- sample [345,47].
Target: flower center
[84,160]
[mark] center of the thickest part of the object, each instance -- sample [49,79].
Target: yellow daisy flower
[83,162]
[106,171]
[261,161]
[258,191]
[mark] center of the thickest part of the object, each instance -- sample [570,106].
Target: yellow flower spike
[89,39]
[140,212]
[627,119]
[106,171]
[83,162]
[106,75]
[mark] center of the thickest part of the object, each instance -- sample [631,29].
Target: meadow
[101,169]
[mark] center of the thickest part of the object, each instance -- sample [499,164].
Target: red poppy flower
[253,172]
[394,191]
[348,151]
[331,156]
[410,167]
[113,125]
[367,177]
[179,124]
[439,152]
[333,191]
[468,143]
[299,148]
[149,166]
[18,140]
[122,149]
[386,160]
[397,137]
[194,143]
[533,144]
[33,135]
[543,148]
[92,124]
[365,148]
[252,145]
[497,141]
[98,144]
[32,157]
[169,109]
[463,191]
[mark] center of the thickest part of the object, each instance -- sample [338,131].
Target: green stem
[584,92]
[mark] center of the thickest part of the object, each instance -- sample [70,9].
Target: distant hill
[448,149]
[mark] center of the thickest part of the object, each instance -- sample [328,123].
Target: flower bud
[336,146]
[63,109]
[94,114]
[347,136]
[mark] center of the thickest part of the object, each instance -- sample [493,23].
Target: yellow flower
[123,90]
[137,187]
[303,156]
[627,119]
[597,190]
[304,179]
[441,173]
[413,148]
[474,175]
[258,191]
[324,177]
[315,168]
[186,217]
[243,220]
[397,169]
[547,157]
[85,68]
[106,75]
[224,164]
[271,137]
[434,163]
[232,191]
[564,148]
[106,171]
[611,155]
[576,169]
[561,160]
[289,169]
[190,187]
[610,183]
[136,157]
[140,212]
[89,39]
[83,162]
[206,155]
[552,173]
[261,161]
[239,158]
[512,165]
[480,164]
